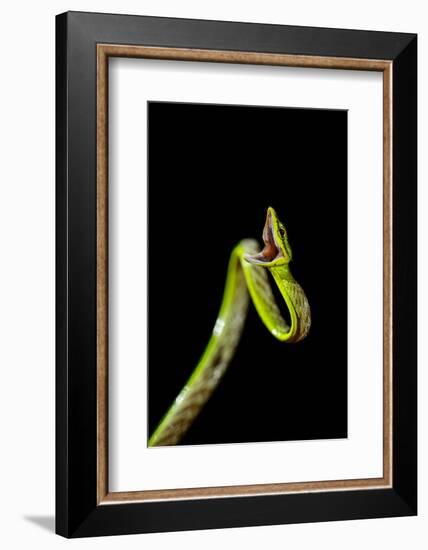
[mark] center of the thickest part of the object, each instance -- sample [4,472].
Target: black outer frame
[77,513]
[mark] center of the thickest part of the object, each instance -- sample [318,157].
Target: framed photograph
[236,274]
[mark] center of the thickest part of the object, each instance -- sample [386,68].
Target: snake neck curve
[296,301]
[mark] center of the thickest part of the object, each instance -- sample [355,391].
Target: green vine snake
[247,276]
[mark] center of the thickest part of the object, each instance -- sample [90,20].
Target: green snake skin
[247,275]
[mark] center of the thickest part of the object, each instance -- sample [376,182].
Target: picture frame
[84,504]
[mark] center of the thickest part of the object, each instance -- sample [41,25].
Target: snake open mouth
[271,250]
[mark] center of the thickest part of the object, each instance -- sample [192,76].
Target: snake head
[277,249]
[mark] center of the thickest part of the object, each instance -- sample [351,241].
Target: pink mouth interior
[270,251]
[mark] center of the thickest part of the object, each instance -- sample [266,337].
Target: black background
[213,171]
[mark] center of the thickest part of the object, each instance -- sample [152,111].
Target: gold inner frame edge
[104,51]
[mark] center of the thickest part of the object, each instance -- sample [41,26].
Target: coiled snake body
[247,275]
